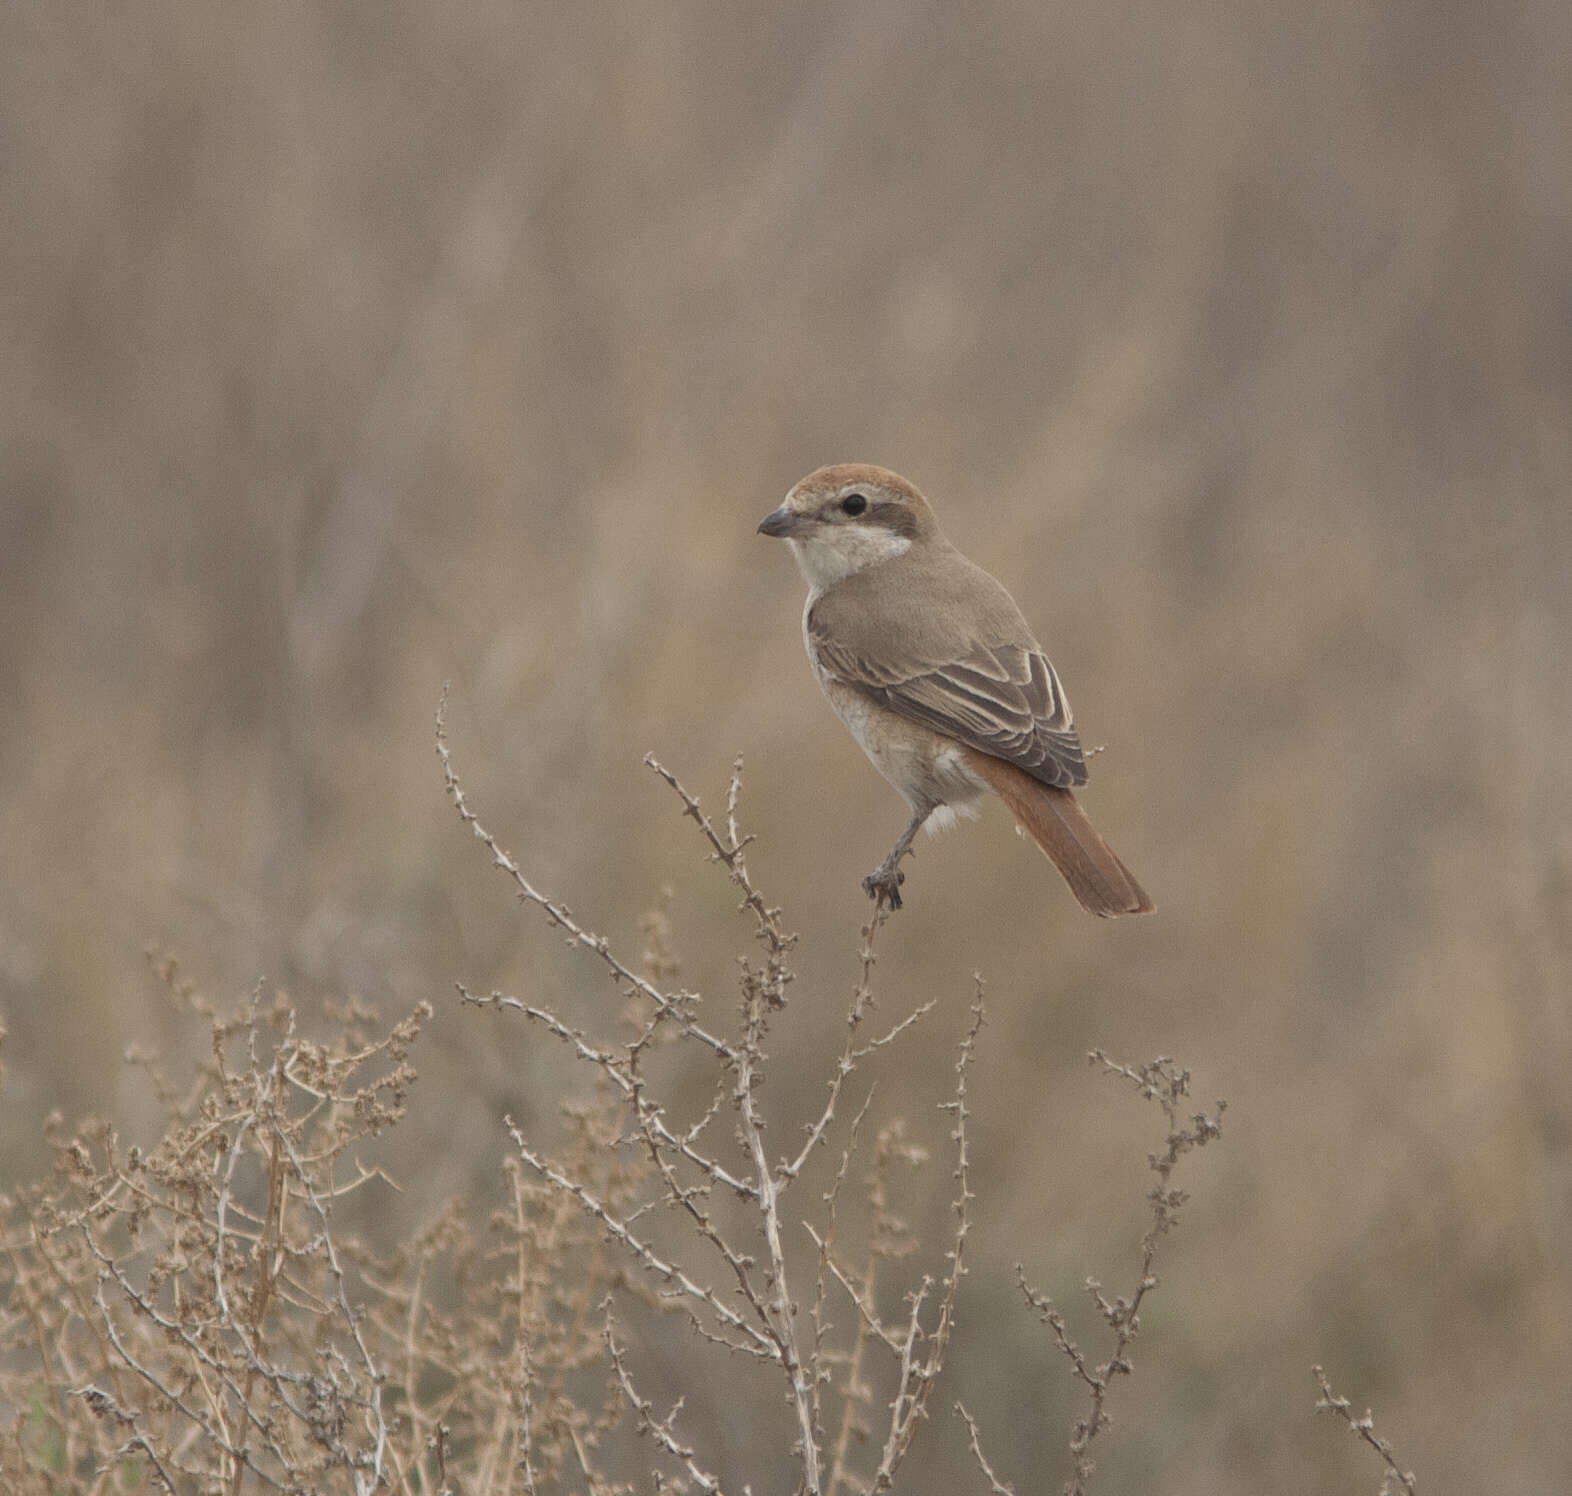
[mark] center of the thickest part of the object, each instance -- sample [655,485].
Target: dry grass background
[345,351]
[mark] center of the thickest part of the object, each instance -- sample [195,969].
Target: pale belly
[929,771]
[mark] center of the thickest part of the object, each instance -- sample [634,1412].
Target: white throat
[832,557]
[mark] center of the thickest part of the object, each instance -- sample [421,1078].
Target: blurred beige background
[348,350]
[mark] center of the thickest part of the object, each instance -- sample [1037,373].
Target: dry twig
[1165,1083]
[1395,1478]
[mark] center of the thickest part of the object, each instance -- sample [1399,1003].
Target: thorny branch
[1162,1081]
[1395,1477]
[918,1374]
[996,1486]
[561,916]
[661,1430]
[758,1340]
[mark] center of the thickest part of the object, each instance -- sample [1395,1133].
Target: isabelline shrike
[929,663]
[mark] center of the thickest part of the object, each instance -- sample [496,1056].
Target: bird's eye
[854,504]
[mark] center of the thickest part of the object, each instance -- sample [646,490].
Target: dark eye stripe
[896,517]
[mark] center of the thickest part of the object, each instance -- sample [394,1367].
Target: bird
[929,663]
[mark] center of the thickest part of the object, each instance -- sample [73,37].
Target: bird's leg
[883,884]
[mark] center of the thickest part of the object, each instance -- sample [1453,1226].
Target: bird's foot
[883,884]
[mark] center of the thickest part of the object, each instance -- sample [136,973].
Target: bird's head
[844,518]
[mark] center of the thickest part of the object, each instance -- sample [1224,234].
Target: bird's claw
[883,885]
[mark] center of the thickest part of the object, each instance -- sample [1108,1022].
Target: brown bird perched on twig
[929,663]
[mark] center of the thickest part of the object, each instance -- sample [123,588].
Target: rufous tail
[1055,821]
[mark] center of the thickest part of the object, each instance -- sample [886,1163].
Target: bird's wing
[1004,699]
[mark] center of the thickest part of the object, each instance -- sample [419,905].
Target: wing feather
[1004,699]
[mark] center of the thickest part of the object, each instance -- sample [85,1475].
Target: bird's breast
[926,768]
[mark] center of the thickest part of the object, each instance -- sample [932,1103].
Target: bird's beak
[785,523]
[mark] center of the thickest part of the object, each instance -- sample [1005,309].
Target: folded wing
[1005,700]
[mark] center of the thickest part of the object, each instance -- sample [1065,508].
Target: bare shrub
[194,1317]
[227,1310]
[758,1315]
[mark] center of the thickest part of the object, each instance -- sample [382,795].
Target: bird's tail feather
[1055,821]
